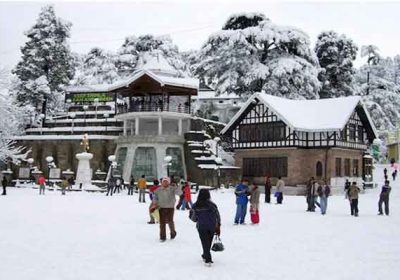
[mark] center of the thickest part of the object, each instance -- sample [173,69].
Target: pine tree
[252,54]
[96,67]
[134,47]
[46,64]
[336,54]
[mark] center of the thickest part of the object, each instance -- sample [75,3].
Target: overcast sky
[106,24]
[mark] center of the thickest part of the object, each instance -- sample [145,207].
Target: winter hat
[166,178]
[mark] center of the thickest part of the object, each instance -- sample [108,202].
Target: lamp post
[96,103]
[168,160]
[30,162]
[217,140]
[42,116]
[112,158]
[85,107]
[49,160]
[106,115]
[218,161]
[72,116]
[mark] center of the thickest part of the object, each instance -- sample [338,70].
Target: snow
[330,114]
[91,236]
[64,137]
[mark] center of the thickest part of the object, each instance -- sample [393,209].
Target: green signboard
[87,97]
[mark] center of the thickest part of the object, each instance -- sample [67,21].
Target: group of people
[204,212]
[315,190]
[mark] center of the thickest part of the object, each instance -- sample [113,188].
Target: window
[355,167]
[360,134]
[145,163]
[176,167]
[338,167]
[352,132]
[318,171]
[221,101]
[347,167]
[259,167]
[121,157]
[271,131]
[343,133]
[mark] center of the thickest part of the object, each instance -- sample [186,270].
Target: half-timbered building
[297,139]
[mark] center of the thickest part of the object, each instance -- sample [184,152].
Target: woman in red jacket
[42,182]
[187,196]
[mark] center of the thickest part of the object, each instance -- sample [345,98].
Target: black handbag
[217,244]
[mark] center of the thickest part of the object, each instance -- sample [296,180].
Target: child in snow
[187,199]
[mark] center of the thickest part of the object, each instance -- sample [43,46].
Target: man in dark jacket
[384,198]
[205,213]
[311,193]
[4,184]
[268,186]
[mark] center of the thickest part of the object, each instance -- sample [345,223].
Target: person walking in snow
[142,184]
[130,186]
[254,204]
[311,194]
[353,197]
[64,185]
[152,189]
[241,192]
[279,190]
[118,184]
[323,192]
[208,222]
[4,185]
[164,200]
[384,198]
[42,184]
[268,187]
[110,186]
[394,174]
[187,197]
[346,188]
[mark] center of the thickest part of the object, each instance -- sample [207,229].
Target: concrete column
[159,126]
[180,127]
[132,128]
[137,126]
[125,127]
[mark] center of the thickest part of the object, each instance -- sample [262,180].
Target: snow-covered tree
[383,98]
[129,53]
[96,67]
[253,54]
[11,122]
[46,64]
[336,54]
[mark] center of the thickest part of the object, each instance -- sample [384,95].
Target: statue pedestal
[84,173]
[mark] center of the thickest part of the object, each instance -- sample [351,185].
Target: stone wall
[302,162]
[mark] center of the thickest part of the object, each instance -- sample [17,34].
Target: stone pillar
[132,129]
[180,127]
[137,126]
[125,127]
[159,126]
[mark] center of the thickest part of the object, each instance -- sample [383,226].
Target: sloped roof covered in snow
[329,114]
[153,65]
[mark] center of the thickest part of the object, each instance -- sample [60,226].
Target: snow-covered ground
[91,236]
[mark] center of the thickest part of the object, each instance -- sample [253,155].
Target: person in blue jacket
[242,192]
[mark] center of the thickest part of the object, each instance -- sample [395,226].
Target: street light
[85,107]
[218,161]
[49,160]
[96,103]
[30,162]
[167,160]
[42,116]
[112,158]
[217,140]
[72,116]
